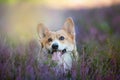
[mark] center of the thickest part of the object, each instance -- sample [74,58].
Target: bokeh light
[20,18]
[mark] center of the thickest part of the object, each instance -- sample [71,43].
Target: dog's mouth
[56,54]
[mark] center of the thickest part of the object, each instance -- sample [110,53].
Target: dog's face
[60,41]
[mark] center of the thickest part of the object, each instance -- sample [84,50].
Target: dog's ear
[69,26]
[42,30]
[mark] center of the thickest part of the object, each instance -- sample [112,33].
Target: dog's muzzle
[56,54]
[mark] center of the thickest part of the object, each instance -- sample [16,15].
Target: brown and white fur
[60,44]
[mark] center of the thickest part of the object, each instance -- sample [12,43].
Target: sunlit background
[19,19]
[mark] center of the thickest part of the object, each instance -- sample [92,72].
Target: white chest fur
[65,61]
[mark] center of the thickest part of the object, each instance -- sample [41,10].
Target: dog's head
[60,41]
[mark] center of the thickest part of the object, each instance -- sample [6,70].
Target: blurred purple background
[97,25]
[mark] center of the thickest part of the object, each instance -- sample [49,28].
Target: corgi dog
[60,44]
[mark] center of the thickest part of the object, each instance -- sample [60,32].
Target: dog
[60,44]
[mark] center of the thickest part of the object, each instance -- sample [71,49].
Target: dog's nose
[55,46]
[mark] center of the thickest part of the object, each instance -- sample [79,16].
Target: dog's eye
[61,38]
[50,40]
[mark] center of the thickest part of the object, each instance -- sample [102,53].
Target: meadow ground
[98,61]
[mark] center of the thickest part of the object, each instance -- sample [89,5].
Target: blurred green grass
[97,61]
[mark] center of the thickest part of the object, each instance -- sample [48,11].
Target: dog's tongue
[56,56]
